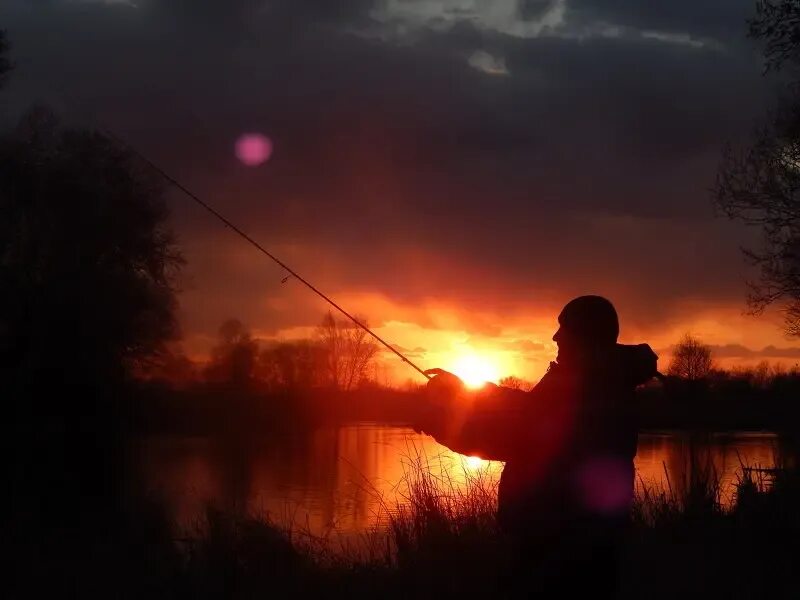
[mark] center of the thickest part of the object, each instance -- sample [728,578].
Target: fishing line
[292,273]
[259,247]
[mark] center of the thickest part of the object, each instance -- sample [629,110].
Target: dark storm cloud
[721,19]
[534,9]
[587,166]
[739,351]
[240,16]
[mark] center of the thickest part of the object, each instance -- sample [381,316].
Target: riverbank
[684,542]
[217,409]
[340,476]
[445,543]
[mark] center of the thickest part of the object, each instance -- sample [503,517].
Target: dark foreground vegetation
[443,541]
[89,294]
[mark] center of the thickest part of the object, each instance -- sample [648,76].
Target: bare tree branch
[691,360]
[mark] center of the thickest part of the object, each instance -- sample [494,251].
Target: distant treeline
[339,356]
[698,394]
[211,408]
[335,375]
[732,401]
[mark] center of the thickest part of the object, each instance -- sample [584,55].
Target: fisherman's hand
[443,387]
[441,396]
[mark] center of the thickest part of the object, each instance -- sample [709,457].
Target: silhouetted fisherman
[568,445]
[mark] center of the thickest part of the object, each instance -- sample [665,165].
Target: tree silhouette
[778,24]
[5,63]
[233,359]
[87,263]
[349,351]
[292,365]
[171,367]
[760,185]
[691,360]
[87,269]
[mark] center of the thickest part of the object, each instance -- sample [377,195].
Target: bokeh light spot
[253,149]
[605,484]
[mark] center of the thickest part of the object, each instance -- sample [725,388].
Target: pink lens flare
[253,149]
[605,484]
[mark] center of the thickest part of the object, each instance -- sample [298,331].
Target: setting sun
[475,463]
[475,370]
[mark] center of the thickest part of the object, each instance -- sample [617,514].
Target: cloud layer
[496,158]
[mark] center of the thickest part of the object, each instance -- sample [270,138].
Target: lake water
[346,478]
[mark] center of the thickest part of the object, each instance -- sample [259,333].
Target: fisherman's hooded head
[587,324]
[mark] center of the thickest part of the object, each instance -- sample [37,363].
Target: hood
[638,363]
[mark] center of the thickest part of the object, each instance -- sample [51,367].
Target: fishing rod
[260,248]
[292,273]
[428,374]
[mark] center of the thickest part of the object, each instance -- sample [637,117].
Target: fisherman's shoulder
[555,375]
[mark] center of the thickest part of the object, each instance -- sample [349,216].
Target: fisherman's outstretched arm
[489,426]
[495,422]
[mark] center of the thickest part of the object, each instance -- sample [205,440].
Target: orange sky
[436,333]
[455,176]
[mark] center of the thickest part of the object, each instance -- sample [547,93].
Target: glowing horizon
[485,345]
[475,370]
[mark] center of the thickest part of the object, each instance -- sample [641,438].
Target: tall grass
[439,502]
[694,494]
[440,538]
[443,529]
